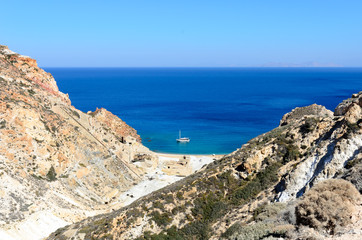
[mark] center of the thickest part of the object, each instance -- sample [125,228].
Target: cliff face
[55,160]
[239,194]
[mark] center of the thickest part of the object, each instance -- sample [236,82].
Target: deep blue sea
[218,108]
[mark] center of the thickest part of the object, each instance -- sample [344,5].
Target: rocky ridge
[57,162]
[251,191]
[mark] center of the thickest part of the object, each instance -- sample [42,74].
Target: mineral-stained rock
[309,146]
[54,158]
[110,121]
[60,165]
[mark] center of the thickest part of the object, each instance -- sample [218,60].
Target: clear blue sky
[185,33]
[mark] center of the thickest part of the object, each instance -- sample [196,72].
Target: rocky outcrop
[350,108]
[345,105]
[14,65]
[55,160]
[61,166]
[313,110]
[110,121]
[309,146]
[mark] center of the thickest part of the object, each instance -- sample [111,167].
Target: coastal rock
[352,172]
[15,66]
[110,121]
[59,165]
[344,107]
[273,169]
[313,110]
[55,159]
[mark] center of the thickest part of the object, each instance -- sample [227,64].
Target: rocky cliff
[58,165]
[255,192]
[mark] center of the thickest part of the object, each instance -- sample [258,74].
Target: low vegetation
[227,193]
[255,231]
[328,205]
[51,175]
[2,123]
[219,191]
[309,125]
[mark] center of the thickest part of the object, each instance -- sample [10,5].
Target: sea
[219,109]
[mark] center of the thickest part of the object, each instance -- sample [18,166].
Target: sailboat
[182,139]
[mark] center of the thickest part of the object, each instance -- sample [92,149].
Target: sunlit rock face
[271,171]
[61,166]
[55,159]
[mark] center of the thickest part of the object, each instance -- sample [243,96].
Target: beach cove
[218,108]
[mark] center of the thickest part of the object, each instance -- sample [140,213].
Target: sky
[185,33]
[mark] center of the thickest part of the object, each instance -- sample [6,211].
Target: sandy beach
[156,179]
[167,172]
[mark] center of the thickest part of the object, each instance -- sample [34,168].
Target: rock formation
[58,165]
[61,166]
[253,191]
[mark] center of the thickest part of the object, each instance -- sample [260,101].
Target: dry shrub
[327,205]
[256,231]
[268,211]
[304,233]
[248,232]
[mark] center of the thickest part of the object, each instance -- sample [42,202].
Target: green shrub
[309,125]
[179,196]
[351,127]
[208,207]
[196,230]
[351,163]
[31,92]
[260,182]
[158,205]
[75,113]
[168,198]
[51,175]
[292,153]
[235,228]
[2,124]
[174,234]
[161,219]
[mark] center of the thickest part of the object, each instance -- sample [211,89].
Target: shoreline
[175,155]
[170,168]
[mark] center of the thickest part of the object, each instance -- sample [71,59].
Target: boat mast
[179,133]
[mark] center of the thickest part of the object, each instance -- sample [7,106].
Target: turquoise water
[218,108]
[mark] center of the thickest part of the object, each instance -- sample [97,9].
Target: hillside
[58,165]
[252,193]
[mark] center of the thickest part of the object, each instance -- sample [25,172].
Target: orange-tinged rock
[9,156]
[119,127]
[72,182]
[82,172]
[42,151]
[43,139]
[22,173]
[61,159]
[42,172]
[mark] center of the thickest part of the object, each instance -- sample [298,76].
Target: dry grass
[329,204]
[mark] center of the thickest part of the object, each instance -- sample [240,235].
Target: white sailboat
[182,139]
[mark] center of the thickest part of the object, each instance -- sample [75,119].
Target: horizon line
[190,67]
